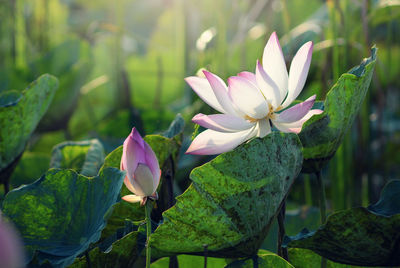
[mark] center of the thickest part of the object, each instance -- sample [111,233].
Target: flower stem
[281,231]
[322,197]
[322,205]
[205,255]
[148,206]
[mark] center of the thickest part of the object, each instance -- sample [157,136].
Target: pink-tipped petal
[269,89]
[212,142]
[132,198]
[247,97]
[275,66]
[221,92]
[249,76]
[311,113]
[133,154]
[298,72]
[135,135]
[264,128]
[144,178]
[11,246]
[203,89]
[294,127]
[152,163]
[297,125]
[296,112]
[222,122]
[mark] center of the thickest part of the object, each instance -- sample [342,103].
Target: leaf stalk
[148,206]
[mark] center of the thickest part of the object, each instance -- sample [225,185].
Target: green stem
[282,252]
[322,205]
[255,261]
[307,190]
[148,206]
[205,255]
[322,197]
[88,262]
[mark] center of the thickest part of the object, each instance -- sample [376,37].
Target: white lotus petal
[222,122]
[211,142]
[247,97]
[203,89]
[249,76]
[296,112]
[275,66]
[298,72]
[297,125]
[221,92]
[269,89]
[264,128]
[132,198]
[144,178]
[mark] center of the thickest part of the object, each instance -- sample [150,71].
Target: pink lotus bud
[142,169]
[11,253]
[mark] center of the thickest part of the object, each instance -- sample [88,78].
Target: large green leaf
[322,134]
[384,11]
[19,120]
[9,98]
[264,258]
[62,213]
[359,236]
[189,261]
[123,252]
[232,201]
[31,167]
[175,128]
[85,157]
[304,258]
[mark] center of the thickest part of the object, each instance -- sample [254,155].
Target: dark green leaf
[30,168]
[63,212]
[163,147]
[322,134]
[189,261]
[304,258]
[9,98]
[85,157]
[175,128]
[389,203]
[384,12]
[122,253]
[265,259]
[19,121]
[232,201]
[359,236]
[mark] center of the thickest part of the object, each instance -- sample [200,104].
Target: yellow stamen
[270,115]
[250,119]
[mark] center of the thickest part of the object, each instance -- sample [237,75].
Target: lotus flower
[11,246]
[142,169]
[252,102]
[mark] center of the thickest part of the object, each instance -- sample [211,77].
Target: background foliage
[121,64]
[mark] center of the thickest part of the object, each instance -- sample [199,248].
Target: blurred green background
[122,64]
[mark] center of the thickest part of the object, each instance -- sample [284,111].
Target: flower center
[270,115]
